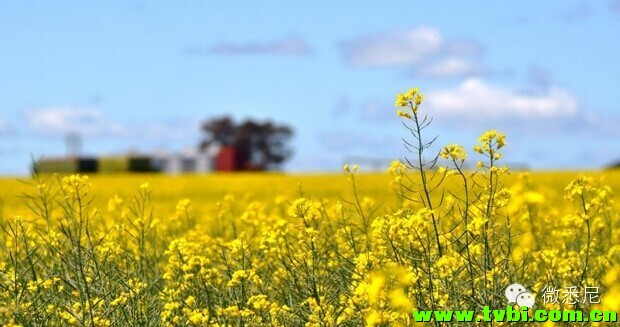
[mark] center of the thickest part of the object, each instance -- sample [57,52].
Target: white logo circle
[525,300]
[512,291]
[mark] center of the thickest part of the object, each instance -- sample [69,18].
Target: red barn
[226,159]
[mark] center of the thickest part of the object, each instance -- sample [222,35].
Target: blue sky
[141,75]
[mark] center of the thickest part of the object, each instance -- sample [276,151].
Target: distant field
[206,189]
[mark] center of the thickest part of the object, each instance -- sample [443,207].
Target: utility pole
[73,143]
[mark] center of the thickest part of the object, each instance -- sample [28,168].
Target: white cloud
[424,51]
[393,49]
[60,121]
[64,120]
[451,66]
[292,46]
[476,100]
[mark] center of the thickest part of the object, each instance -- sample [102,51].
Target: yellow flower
[196,318]
[401,100]
[412,93]
[400,301]
[411,99]
[403,114]
[237,277]
[454,152]
[418,99]
[114,203]
[490,142]
[306,209]
[375,288]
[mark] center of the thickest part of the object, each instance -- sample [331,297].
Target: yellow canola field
[286,250]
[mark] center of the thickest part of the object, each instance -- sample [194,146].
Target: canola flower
[358,250]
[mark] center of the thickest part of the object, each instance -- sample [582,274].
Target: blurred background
[148,80]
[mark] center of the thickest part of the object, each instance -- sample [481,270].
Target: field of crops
[347,249]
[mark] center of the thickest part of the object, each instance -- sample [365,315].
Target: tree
[259,145]
[614,165]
